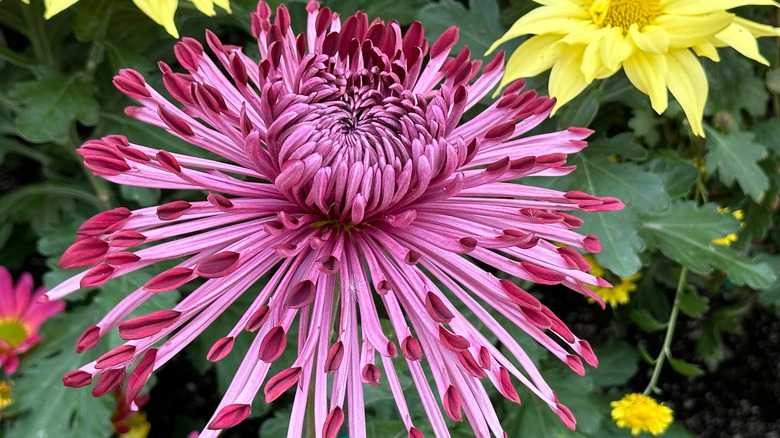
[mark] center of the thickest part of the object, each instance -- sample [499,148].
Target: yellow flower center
[624,13]
[13,332]
[5,395]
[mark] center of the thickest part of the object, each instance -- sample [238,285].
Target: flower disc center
[624,13]
[352,147]
[13,332]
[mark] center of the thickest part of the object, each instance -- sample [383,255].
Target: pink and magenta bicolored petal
[349,179]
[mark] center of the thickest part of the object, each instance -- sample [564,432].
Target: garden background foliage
[56,92]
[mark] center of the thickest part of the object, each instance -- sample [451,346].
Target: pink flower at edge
[349,178]
[21,315]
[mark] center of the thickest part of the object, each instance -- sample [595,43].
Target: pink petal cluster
[21,315]
[348,179]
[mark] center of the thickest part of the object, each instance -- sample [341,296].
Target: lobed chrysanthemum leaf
[685,233]
[735,156]
[50,104]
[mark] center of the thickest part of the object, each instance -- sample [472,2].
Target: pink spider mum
[348,179]
[20,317]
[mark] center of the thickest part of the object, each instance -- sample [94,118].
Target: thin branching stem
[666,349]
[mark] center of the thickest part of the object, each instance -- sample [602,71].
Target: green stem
[95,57]
[666,350]
[38,37]
[775,97]
[310,426]
[9,103]
[27,151]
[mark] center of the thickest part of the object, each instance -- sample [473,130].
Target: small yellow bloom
[641,414]
[139,427]
[727,240]
[654,41]
[161,11]
[731,238]
[618,293]
[6,398]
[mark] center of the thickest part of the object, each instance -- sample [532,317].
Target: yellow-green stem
[666,349]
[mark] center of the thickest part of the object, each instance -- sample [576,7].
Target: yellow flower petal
[688,83]
[652,39]
[615,48]
[591,62]
[725,241]
[707,50]
[686,31]
[224,4]
[738,37]
[756,29]
[54,7]
[641,413]
[204,6]
[534,56]
[566,79]
[647,72]
[698,7]
[561,19]
[162,12]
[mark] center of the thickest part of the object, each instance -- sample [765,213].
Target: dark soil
[739,398]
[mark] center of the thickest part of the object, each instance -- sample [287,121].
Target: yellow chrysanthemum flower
[6,398]
[731,238]
[641,413]
[138,426]
[654,41]
[617,294]
[161,11]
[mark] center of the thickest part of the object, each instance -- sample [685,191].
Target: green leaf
[641,190]
[736,84]
[617,232]
[710,343]
[141,195]
[773,80]
[679,180]
[770,297]
[622,144]
[693,304]
[685,232]
[646,321]
[735,156]
[767,132]
[645,355]
[580,112]
[77,413]
[479,25]
[536,419]
[404,11]
[685,368]
[119,57]
[618,363]
[645,123]
[50,104]
[91,18]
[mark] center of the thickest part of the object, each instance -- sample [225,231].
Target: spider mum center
[13,332]
[624,13]
[354,143]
